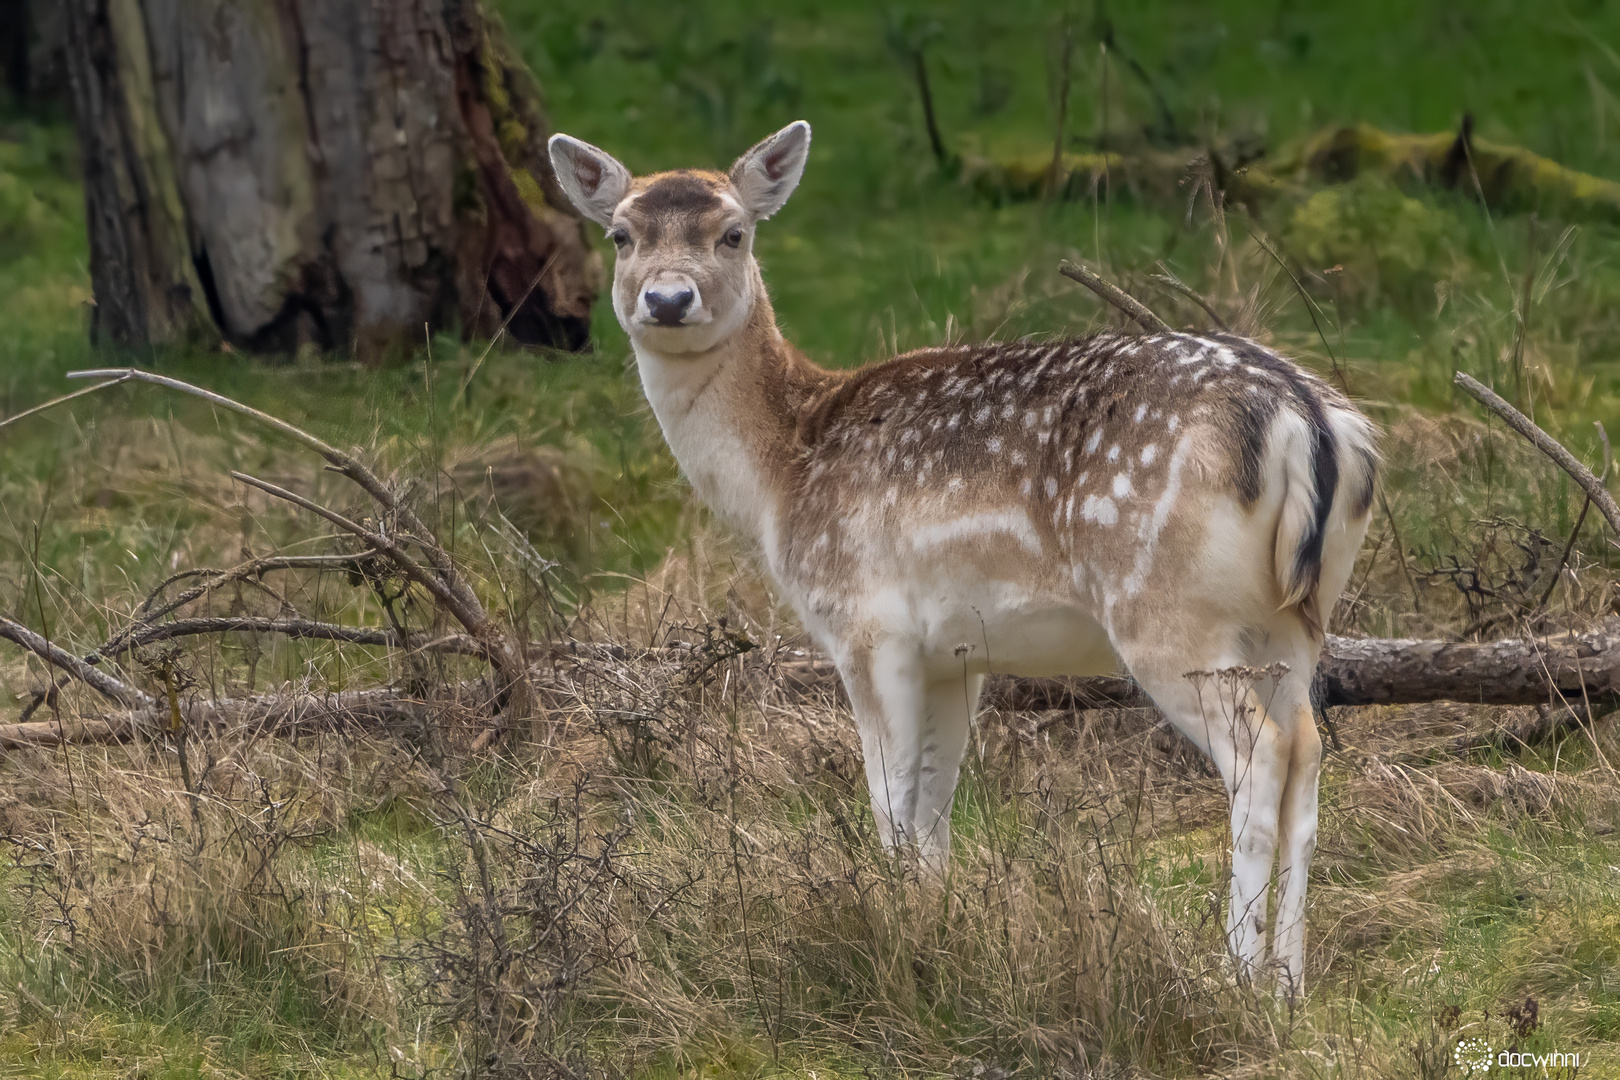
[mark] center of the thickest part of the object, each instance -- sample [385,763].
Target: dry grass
[687,882]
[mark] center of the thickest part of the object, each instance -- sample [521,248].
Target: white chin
[675,339]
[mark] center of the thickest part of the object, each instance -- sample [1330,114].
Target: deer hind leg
[1296,842]
[949,705]
[1231,723]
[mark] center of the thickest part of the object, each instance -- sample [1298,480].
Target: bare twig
[1169,280]
[385,544]
[1116,296]
[216,579]
[1546,444]
[293,628]
[1574,534]
[99,681]
[1311,308]
[51,404]
[461,391]
[342,463]
[440,577]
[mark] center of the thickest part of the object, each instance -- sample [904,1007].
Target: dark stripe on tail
[1324,457]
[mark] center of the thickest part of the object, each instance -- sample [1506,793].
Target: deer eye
[733,237]
[620,236]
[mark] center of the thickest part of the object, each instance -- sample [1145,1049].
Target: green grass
[1426,897]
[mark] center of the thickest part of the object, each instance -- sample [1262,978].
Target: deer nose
[668,308]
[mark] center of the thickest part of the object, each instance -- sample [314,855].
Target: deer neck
[730,416]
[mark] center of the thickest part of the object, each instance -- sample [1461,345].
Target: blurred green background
[881,250]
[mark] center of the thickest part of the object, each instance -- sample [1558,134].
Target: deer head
[685,279]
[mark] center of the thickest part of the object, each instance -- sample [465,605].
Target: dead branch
[1546,444]
[281,714]
[54,402]
[1170,281]
[254,568]
[101,682]
[1116,296]
[293,628]
[440,577]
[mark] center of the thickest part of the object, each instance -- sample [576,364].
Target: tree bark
[283,173]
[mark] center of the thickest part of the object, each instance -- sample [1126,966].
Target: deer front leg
[949,705]
[887,690]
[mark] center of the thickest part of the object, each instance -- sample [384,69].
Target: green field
[689,886]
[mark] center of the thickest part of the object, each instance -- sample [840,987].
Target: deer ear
[766,175]
[593,179]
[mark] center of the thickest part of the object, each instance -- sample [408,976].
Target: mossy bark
[286,173]
[1509,178]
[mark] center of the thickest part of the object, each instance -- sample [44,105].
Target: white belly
[980,627]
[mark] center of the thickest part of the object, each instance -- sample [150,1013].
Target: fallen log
[279,714]
[1562,670]
[1569,673]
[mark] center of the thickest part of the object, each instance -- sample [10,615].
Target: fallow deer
[1173,502]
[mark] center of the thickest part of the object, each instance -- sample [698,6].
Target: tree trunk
[283,173]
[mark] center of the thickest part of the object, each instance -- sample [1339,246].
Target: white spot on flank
[1113,452]
[1026,486]
[1029,418]
[1141,411]
[1080,481]
[1149,453]
[1122,485]
[994,446]
[956,483]
[1094,442]
[1007,411]
[1172,423]
[1017,457]
[1051,487]
[981,414]
[1099,509]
